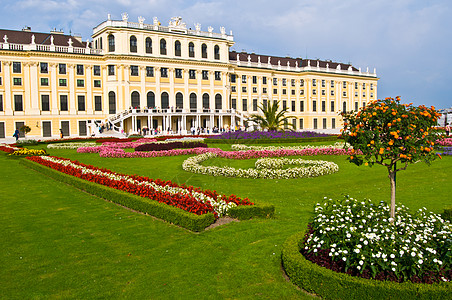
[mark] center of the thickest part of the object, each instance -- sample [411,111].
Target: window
[254,90]
[45,103]
[344,94]
[323,83]
[344,106]
[356,94]
[96,70]
[18,103]
[284,91]
[177,48]
[192,74]
[364,104]
[44,81]
[44,67]
[111,70]
[314,105]
[254,104]
[205,101]
[1,102]
[254,79]
[314,92]
[0,81]
[333,123]
[244,105]
[243,89]
[133,44]
[293,106]
[234,103]
[371,86]
[232,78]
[323,106]
[81,102]
[275,81]
[97,83]
[111,43]
[80,70]
[218,101]
[134,70]
[205,75]
[148,45]
[243,78]
[315,123]
[204,50]
[292,82]
[301,124]
[332,106]
[80,83]
[149,71]
[302,92]
[364,94]
[356,106]
[264,80]
[284,82]
[324,123]
[356,85]
[332,92]
[163,47]
[191,49]
[63,103]
[17,68]
[344,84]
[62,82]
[371,94]
[178,73]
[217,75]
[193,102]
[314,82]
[216,51]
[323,92]
[284,105]
[275,91]
[301,84]
[364,85]
[111,102]
[233,89]
[264,90]
[294,124]
[332,83]
[264,103]
[17,81]
[164,72]
[135,99]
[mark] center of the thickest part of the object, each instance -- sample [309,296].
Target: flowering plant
[254,135]
[357,237]
[28,152]
[444,142]
[70,145]
[7,148]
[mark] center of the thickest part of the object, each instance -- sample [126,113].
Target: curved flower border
[267,168]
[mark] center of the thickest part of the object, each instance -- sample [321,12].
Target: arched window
[165,100]
[112,103]
[344,106]
[148,44]
[162,47]
[111,43]
[133,44]
[205,101]
[150,97]
[218,102]
[193,104]
[191,49]
[135,99]
[177,48]
[216,51]
[204,50]
[179,101]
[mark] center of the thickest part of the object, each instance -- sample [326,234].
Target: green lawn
[59,242]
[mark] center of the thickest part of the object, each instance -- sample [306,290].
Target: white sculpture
[141,19]
[5,39]
[238,57]
[70,42]
[296,64]
[108,16]
[318,64]
[177,22]
[156,21]
[249,58]
[87,43]
[51,40]
[259,59]
[33,39]
[309,62]
[279,63]
[269,60]
[198,27]
[338,67]
[210,29]
[222,30]
[125,16]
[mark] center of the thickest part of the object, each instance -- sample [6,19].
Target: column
[89,90]
[71,83]
[31,87]
[171,100]
[7,83]
[53,85]
[158,99]
[126,96]
[143,101]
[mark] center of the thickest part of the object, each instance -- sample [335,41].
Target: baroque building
[133,75]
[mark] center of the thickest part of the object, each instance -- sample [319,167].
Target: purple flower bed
[446,151]
[255,135]
[169,146]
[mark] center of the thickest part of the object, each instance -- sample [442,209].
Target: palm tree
[272,119]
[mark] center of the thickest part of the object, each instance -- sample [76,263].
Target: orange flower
[391,142]
[372,142]
[382,150]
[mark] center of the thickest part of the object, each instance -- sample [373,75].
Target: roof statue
[70,42]
[210,29]
[177,22]
[33,39]
[222,30]
[198,27]
[51,40]
[156,21]
[125,16]
[249,58]
[269,60]
[5,39]
[141,19]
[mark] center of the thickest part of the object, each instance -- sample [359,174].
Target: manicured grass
[58,242]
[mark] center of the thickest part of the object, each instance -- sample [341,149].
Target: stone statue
[5,39]
[198,27]
[177,22]
[249,58]
[51,40]
[210,29]
[125,16]
[309,62]
[141,19]
[269,60]
[70,42]
[33,39]
[259,59]
[222,30]
[156,21]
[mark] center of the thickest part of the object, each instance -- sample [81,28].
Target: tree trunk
[392,178]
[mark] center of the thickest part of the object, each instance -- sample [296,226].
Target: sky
[408,42]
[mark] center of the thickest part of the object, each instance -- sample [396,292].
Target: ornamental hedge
[271,141]
[332,285]
[169,146]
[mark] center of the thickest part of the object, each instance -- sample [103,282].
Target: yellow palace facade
[133,75]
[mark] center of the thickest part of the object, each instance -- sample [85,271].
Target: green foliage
[331,285]
[27,142]
[271,119]
[272,141]
[25,128]
[447,214]
[386,131]
[246,212]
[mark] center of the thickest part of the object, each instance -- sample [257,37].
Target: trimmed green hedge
[271,141]
[162,211]
[332,285]
[246,212]
[447,214]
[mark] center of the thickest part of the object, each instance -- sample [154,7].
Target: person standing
[447,129]
[61,133]
[16,134]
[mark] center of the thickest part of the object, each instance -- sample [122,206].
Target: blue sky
[408,42]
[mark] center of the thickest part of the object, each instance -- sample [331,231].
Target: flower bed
[241,147]
[446,151]
[162,146]
[444,142]
[70,145]
[7,148]
[255,135]
[28,152]
[191,199]
[265,168]
[357,238]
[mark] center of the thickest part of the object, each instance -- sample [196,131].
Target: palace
[133,75]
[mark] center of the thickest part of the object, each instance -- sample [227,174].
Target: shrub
[255,135]
[169,146]
[447,214]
